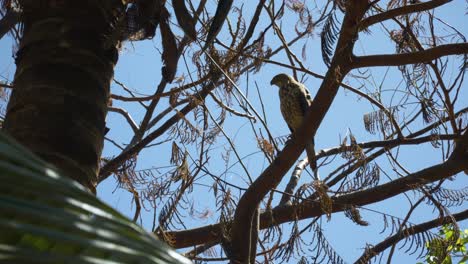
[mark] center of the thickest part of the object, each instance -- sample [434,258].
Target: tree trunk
[65,63]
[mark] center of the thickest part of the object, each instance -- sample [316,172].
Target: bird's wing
[305,100]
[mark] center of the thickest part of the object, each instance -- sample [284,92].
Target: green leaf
[48,218]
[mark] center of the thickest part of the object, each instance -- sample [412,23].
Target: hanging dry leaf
[221,13]
[149,16]
[143,18]
[169,55]
[185,20]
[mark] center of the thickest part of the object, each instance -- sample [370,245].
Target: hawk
[295,99]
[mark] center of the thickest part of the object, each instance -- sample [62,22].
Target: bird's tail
[310,150]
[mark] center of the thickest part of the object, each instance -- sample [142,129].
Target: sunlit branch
[4,85]
[126,115]
[239,159]
[385,144]
[151,97]
[114,143]
[291,56]
[295,176]
[166,111]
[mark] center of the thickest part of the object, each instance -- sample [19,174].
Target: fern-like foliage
[379,120]
[324,251]
[294,245]
[367,176]
[410,239]
[449,197]
[318,250]
[328,36]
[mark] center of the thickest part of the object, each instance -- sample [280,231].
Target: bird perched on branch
[295,99]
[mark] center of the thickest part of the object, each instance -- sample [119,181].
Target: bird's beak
[273,81]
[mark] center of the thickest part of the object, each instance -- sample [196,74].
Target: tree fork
[272,175]
[64,67]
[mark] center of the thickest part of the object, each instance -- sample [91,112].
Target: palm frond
[49,218]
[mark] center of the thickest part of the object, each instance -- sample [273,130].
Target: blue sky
[139,69]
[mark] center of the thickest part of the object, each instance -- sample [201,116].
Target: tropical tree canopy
[170,103]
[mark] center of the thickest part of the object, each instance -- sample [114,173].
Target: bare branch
[308,209]
[384,144]
[423,227]
[10,19]
[229,109]
[125,114]
[404,10]
[410,58]
[112,165]
[4,85]
[295,176]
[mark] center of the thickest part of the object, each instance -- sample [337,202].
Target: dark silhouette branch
[404,10]
[112,165]
[410,58]
[8,21]
[308,209]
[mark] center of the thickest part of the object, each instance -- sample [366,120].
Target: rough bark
[64,65]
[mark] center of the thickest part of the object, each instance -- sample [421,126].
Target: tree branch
[127,116]
[404,10]
[112,165]
[273,175]
[8,21]
[308,209]
[295,176]
[423,227]
[410,58]
[384,144]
